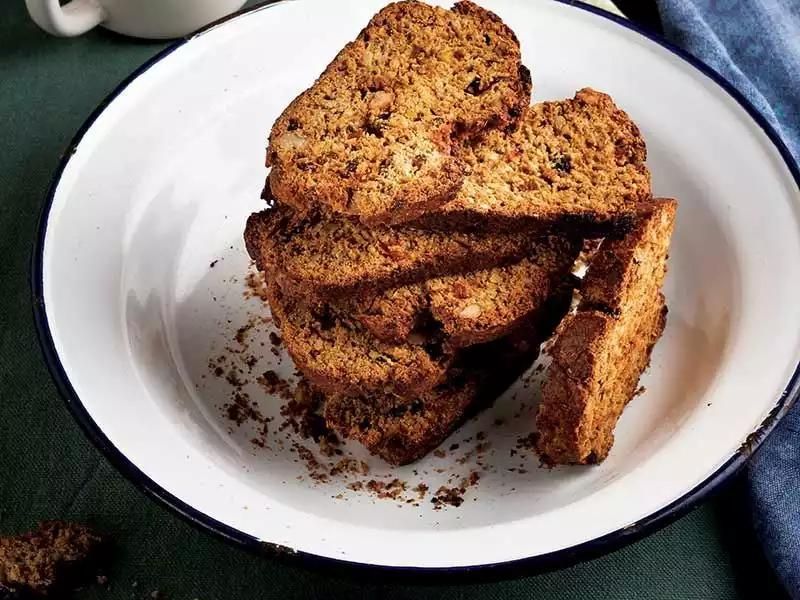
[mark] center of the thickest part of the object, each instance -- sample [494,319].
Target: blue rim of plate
[486,572]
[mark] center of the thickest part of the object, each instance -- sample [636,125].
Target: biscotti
[378,135]
[572,165]
[331,257]
[337,356]
[401,430]
[396,429]
[602,350]
[470,308]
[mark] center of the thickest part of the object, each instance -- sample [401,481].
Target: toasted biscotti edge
[615,270]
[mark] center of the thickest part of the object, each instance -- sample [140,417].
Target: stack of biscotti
[423,220]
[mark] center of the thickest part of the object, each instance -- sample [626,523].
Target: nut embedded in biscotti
[471,311]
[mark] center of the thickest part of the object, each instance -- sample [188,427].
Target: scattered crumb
[274,385]
[527,442]
[454,496]
[255,286]
[351,466]
[392,489]
[421,489]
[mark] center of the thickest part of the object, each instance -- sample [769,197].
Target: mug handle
[74,18]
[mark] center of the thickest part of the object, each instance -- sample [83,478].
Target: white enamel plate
[139,283]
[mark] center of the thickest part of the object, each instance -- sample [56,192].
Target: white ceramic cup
[154,19]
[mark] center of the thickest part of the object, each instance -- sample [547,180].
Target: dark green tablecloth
[49,470]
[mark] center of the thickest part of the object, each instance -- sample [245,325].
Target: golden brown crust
[631,263]
[332,258]
[572,165]
[378,134]
[602,350]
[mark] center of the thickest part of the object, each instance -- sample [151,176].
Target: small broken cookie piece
[51,559]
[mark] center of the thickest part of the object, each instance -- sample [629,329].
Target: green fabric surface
[48,469]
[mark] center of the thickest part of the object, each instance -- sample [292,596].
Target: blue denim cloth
[755,45]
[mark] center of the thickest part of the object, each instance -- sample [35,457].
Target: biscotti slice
[470,308]
[378,134]
[602,350]
[337,356]
[402,430]
[398,430]
[332,258]
[576,165]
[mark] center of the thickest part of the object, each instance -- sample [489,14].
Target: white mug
[154,19]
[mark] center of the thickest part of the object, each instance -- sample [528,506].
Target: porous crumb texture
[470,308]
[379,133]
[330,257]
[338,356]
[49,558]
[602,350]
[576,164]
